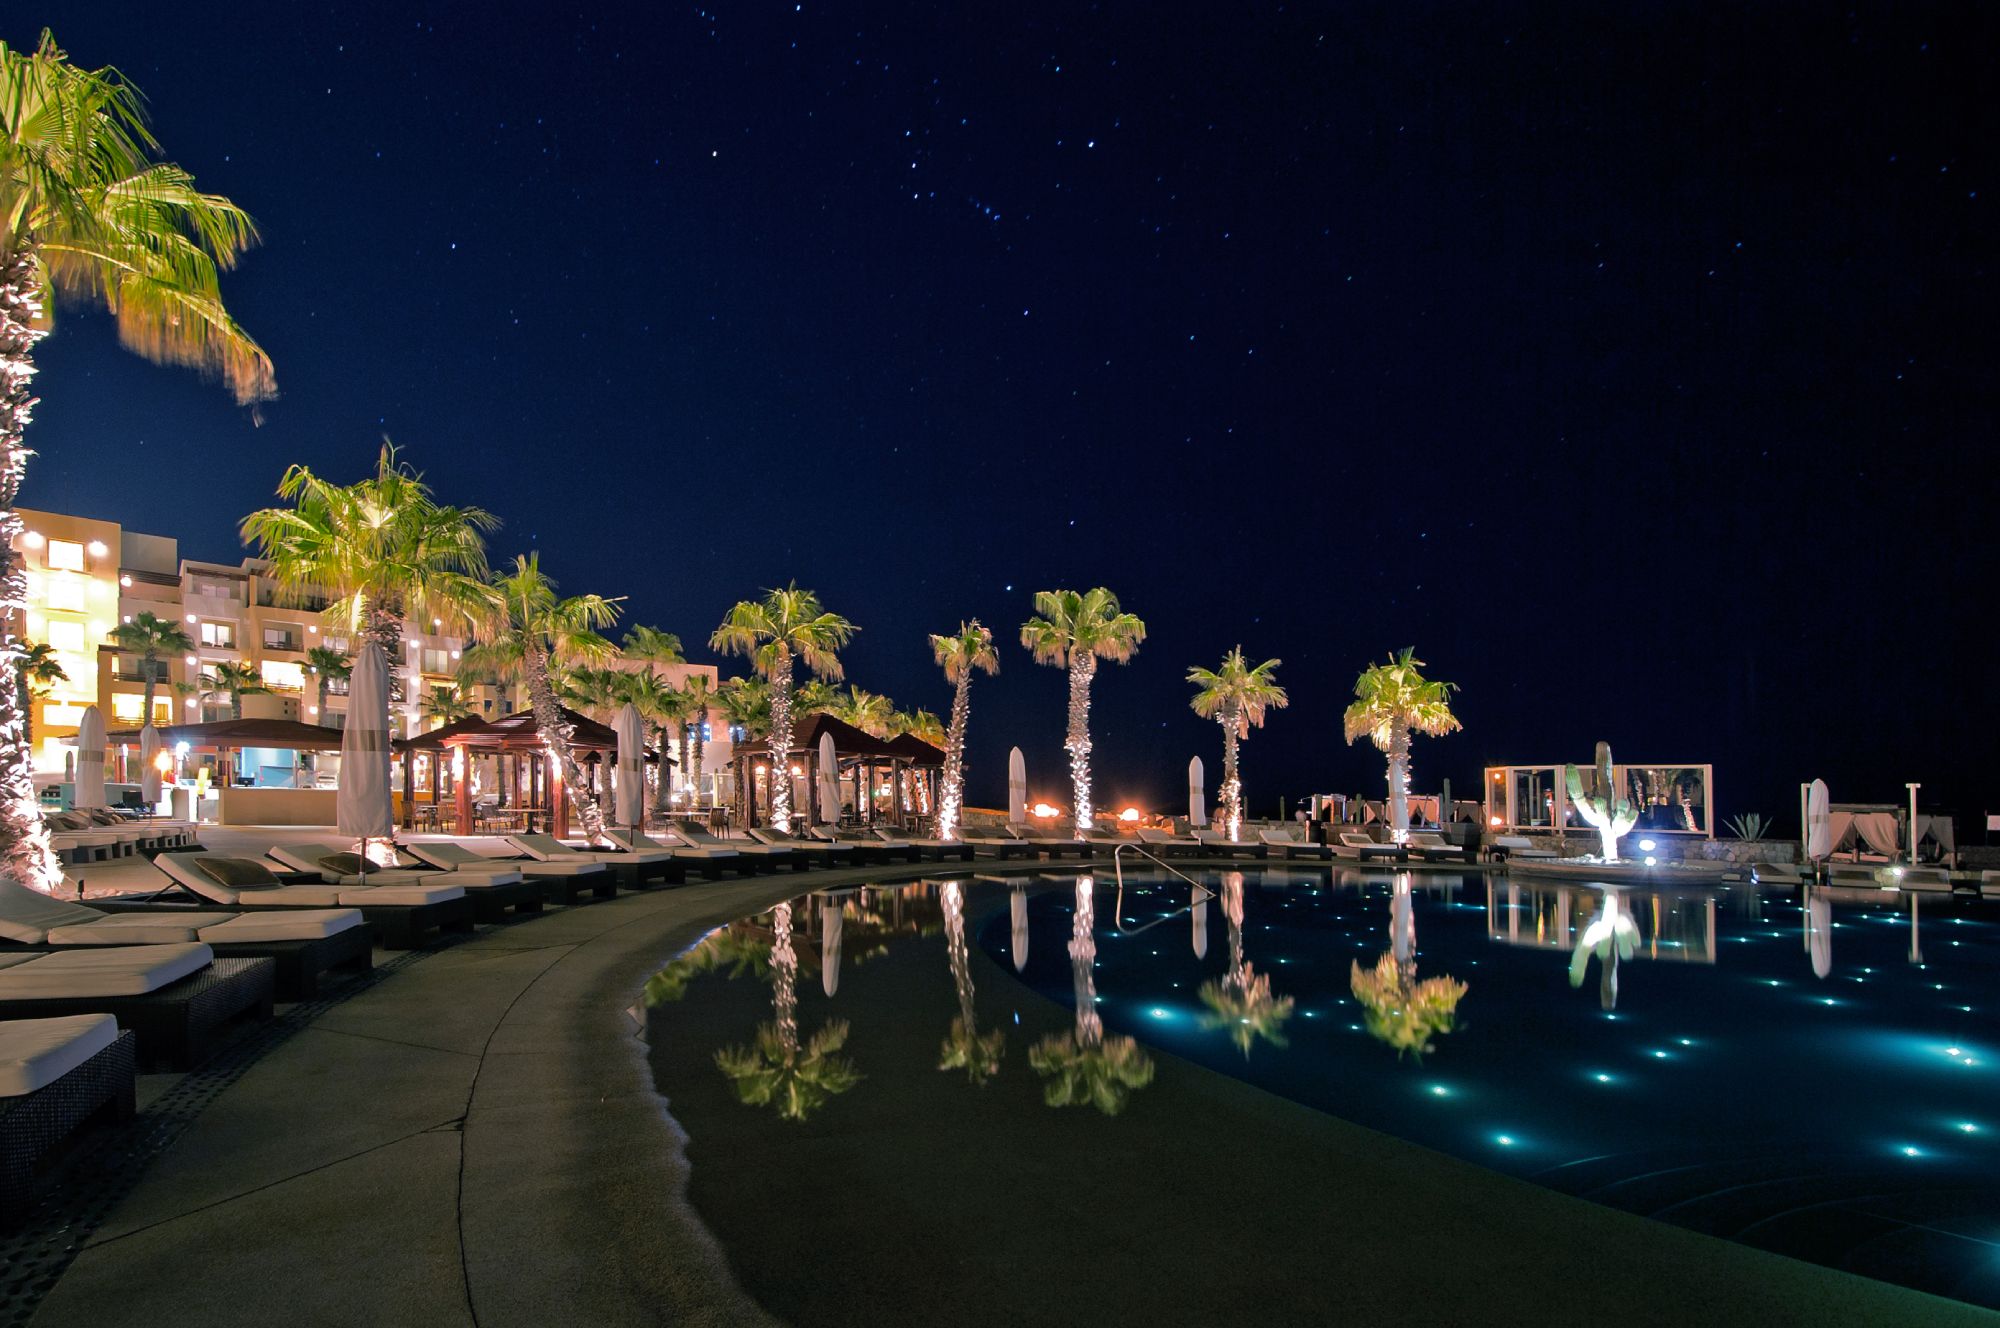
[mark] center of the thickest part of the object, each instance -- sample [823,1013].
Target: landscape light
[32,540]
[97,548]
[125,580]
[1647,845]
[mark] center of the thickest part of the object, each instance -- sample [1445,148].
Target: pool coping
[477,1140]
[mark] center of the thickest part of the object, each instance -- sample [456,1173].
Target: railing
[1118,904]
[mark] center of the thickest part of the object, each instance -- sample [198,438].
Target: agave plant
[1084,1067]
[1751,826]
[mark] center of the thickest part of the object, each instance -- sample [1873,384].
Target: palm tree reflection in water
[774,1070]
[1398,1009]
[965,1047]
[1084,1066]
[1242,1002]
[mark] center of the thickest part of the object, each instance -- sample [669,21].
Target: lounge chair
[1359,847]
[748,856]
[1222,846]
[547,848]
[305,943]
[175,998]
[989,839]
[1434,847]
[560,882]
[1282,842]
[937,849]
[55,1075]
[158,834]
[1160,839]
[1518,846]
[1926,880]
[890,847]
[492,892]
[863,851]
[401,916]
[1054,846]
[1989,885]
[815,850]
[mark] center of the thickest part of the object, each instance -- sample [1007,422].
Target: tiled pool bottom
[1708,1096]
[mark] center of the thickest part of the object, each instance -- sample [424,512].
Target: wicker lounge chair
[747,856]
[995,841]
[1357,846]
[1222,846]
[1160,839]
[55,1075]
[816,850]
[1518,846]
[560,882]
[492,892]
[890,847]
[547,848]
[937,850]
[1286,844]
[401,916]
[176,998]
[305,943]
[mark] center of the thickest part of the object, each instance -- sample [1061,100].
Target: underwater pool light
[1647,846]
[1504,1140]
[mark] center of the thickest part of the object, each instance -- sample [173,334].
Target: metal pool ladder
[1118,904]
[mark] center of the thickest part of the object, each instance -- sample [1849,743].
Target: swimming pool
[1813,1077]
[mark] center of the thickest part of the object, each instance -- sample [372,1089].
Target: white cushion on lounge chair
[581,867]
[406,895]
[185,868]
[131,970]
[34,1053]
[28,915]
[296,924]
[136,929]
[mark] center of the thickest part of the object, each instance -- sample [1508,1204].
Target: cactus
[1611,814]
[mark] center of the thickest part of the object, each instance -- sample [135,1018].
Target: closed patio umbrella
[832,919]
[1017,788]
[829,783]
[1197,812]
[1018,905]
[149,774]
[361,805]
[90,759]
[630,790]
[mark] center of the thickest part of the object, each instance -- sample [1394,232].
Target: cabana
[526,768]
[273,795]
[923,768]
[1673,799]
[863,760]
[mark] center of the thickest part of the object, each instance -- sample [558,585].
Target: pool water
[1814,1077]
[1819,1078]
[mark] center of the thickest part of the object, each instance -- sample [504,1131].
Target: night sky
[1634,363]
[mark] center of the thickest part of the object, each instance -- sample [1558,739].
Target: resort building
[1670,799]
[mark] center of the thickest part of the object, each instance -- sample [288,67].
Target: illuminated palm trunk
[785,980]
[954,933]
[1232,784]
[557,735]
[1399,784]
[951,799]
[694,745]
[25,855]
[1082,957]
[663,779]
[781,742]
[1082,668]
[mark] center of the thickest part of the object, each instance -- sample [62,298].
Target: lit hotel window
[66,636]
[64,556]
[66,593]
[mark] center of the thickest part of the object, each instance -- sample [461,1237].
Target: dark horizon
[1626,362]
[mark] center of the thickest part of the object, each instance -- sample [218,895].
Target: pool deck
[474,1138]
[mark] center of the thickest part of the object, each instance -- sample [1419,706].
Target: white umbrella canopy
[1197,811]
[630,789]
[1017,788]
[361,805]
[832,920]
[1018,906]
[149,755]
[829,783]
[90,759]
[1819,822]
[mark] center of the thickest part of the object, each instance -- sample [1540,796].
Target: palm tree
[1243,1002]
[1236,697]
[532,631]
[445,705]
[87,213]
[329,666]
[965,1047]
[815,697]
[923,725]
[653,646]
[383,549]
[36,672]
[660,704]
[746,708]
[1074,630]
[1085,1067]
[784,625]
[962,654]
[597,692]
[149,638]
[871,712]
[235,681]
[699,695]
[775,1070]
[1391,701]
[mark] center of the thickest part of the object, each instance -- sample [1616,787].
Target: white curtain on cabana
[1875,829]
